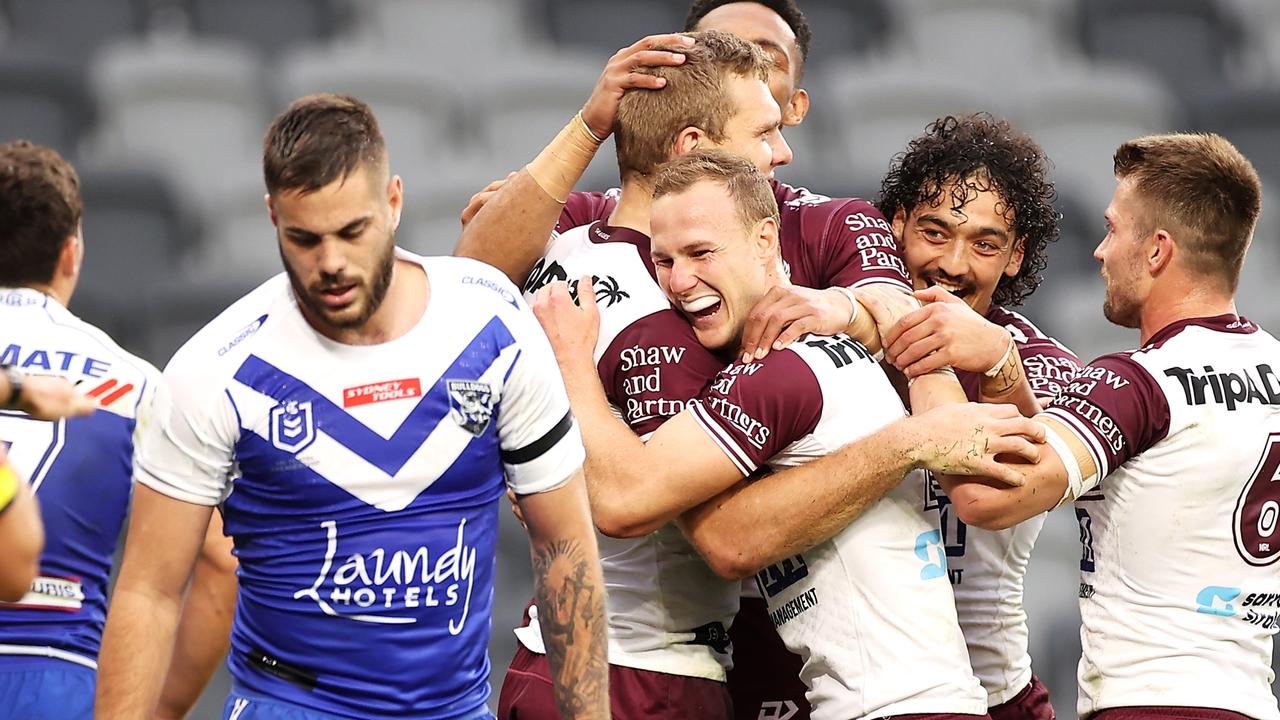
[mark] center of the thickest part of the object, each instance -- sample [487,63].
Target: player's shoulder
[217,349]
[472,277]
[1028,336]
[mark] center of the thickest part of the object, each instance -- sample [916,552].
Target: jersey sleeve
[1049,366]
[755,410]
[1115,408]
[858,247]
[540,443]
[184,442]
[653,368]
[583,208]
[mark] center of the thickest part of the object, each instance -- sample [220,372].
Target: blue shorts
[37,688]
[241,706]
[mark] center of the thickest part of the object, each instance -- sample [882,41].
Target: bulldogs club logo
[293,427]
[470,404]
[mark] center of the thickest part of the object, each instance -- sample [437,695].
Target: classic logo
[470,404]
[293,427]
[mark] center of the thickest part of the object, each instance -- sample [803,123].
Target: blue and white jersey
[361,485]
[79,469]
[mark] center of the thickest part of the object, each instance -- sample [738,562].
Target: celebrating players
[1170,451]
[355,417]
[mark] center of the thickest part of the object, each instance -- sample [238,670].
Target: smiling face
[338,246]
[966,250]
[711,267]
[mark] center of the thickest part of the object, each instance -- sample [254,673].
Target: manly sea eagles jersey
[79,469]
[870,611]
[667,610]
[986,567]
[361,485]
[1179,589]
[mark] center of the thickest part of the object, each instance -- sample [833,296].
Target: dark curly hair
[786,9]
[989,155]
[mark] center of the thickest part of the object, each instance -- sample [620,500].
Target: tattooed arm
[569,591]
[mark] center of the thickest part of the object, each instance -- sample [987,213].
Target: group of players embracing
[819,441]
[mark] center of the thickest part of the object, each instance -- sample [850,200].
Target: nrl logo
[293,427]
[470,404]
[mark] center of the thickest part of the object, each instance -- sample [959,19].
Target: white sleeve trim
[1077,484]
[722,439]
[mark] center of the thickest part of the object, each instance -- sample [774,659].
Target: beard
[369,294]
[1119,307]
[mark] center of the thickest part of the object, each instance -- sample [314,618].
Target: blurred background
[161,104]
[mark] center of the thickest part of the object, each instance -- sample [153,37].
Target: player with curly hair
[973,211]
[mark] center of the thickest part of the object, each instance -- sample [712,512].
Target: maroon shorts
[527,693]
[765,680]
[1166,712]
[1030,704]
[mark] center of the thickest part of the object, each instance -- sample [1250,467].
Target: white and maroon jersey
[362,486]
[1179,590]
[870,611]
[986,567]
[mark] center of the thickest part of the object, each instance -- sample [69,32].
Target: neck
[53,290]
[401,309]
[632,210]
[1180,301]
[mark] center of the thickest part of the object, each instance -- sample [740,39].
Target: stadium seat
[1080,116]
[268,26]
[238,242]
[44,99]
[1190,43]
[601,27]
[73,28]
[987,32]
[195,107]
[134,233]
[848,28]
[414,109]
[1248,117]
[449,35]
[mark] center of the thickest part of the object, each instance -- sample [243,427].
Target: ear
[765,237]
[70,256]
[899,223]
[797,108]
[1160,252]
[271,207]
[688,140]
[1015,259]
[395,198]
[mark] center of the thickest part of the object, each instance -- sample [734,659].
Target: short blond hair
[1199,186]
[695,95]
[748,187]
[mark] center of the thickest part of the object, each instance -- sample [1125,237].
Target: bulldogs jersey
[80,470]
[870,611]
[1179,590]
[987,567]
[361,485]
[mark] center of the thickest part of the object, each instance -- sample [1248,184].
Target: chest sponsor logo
[607,288]
[293,426]
[1257,385]
[841,350]
[381,392]
[470,404]
[51,593]
[391,581]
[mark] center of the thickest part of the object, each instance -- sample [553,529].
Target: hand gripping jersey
[987,567]
[361,485]
[667,610]
[870,611]
[1179,588]
[80,470]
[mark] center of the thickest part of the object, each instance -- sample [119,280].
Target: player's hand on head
[984,440]
[787,312]
[52,398]
[625,71]
[572,327]
[945,332]
[478,200]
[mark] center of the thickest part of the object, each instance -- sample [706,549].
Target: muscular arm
[164,537]
[569,591]
[204,631]
[21,534]
[510,232]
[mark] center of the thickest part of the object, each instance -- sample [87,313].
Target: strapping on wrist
[561,163]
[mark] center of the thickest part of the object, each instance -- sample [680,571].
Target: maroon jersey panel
[584,208]
[653,367]
[836,241]
[1049,366]
[1117,403]
[754,410]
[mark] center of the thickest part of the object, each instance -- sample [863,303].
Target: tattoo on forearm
[570,601]
[1008,377]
